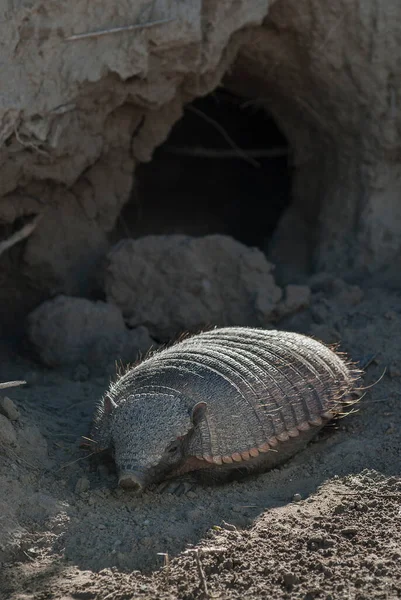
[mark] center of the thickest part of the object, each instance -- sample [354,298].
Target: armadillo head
[148,434]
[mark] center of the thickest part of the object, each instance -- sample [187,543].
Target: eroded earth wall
[77,114]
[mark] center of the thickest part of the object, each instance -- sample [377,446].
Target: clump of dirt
[325,525]
[68,331]
[175,283]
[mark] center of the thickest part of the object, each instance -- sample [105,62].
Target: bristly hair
[355,370]
[123,368]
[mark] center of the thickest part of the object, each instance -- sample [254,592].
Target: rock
[8,437]
[82,485]
[77,331]
[177,283]
[8,409]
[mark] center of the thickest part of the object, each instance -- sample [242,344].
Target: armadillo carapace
[233,398]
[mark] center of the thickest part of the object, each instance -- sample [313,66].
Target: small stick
[201,573]
[100,32]
[393,496]
[8,384]
[214,153]
[18,236]
[27,555]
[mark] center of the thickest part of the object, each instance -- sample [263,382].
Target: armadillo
[225,400]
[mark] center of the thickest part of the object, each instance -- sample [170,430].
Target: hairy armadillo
[225,400]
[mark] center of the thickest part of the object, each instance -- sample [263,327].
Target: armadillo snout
[131,480]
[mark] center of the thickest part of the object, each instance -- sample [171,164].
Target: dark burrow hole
[200,182]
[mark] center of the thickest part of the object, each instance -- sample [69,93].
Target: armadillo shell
[262,387]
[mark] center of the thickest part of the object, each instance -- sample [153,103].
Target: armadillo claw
[176,487]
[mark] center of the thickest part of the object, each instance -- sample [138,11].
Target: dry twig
[217,153]
[394,496]
[8,384]
[201,572]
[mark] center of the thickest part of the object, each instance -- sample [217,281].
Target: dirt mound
[178,283]
[71,331]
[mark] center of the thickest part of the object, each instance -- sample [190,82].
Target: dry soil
[325,525]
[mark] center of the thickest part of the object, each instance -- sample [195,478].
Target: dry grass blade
[72,462]
[101,32]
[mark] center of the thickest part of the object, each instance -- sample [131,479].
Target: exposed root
[20,235]
[224,154]
[240,152]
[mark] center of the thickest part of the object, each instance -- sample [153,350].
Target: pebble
[394,371]
[391,315]
[82,485]
[8,409]
[297,497]
[339,509]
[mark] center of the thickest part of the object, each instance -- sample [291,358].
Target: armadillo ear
[108,405]
[199,412]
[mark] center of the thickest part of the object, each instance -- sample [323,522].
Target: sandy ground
[325,525]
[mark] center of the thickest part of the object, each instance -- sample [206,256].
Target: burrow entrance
[224,169]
